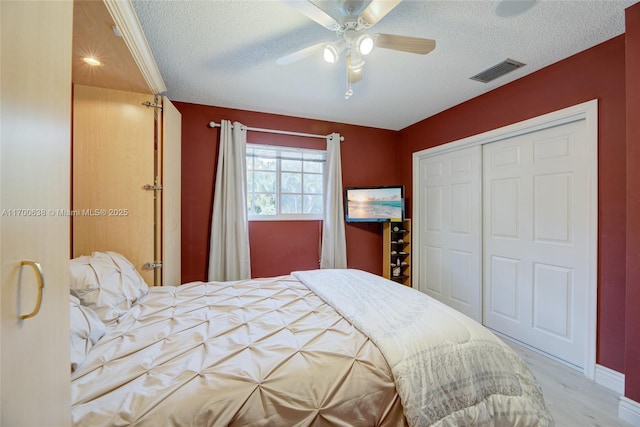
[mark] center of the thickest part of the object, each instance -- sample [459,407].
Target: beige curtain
[334,244]
[229,249]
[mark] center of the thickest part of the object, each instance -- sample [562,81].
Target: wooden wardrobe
[34,237]
[125,147]
[126,179]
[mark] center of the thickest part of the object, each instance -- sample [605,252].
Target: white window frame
[281,150]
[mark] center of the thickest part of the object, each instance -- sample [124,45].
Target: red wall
[632,352]
[369,157]
[595,73]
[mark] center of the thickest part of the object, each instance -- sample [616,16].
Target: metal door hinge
[152,104]
[152,187]
[151,265]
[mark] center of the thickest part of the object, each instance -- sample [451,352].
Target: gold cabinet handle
[36,267]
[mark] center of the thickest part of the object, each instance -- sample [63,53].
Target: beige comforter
[255,352]
[449,370]
[273,352]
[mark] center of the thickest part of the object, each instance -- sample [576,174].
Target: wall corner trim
[629,411]
[613,380]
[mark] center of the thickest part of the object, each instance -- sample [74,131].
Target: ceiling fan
[353,37]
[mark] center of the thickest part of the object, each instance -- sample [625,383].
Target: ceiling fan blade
[314,13]
[377,10]
[300,54]
[405,43]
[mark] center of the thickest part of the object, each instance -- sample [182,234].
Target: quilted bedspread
[449,370]
[256,352]
[317,348]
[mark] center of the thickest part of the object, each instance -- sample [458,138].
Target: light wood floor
[572,399]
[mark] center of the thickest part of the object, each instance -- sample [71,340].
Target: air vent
[497,70]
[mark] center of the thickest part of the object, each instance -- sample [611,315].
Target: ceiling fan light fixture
[364,44]
[355,61]
[332,51]
[355,65]
[354,76]
[358,17]
[330,54]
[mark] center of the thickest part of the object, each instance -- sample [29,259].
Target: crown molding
[125,18]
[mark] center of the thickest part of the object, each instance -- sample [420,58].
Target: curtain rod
[280,132]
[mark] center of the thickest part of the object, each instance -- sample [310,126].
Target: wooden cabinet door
[171,201]
[113,159]
[34,196]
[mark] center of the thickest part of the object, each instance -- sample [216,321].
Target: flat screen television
[374,204]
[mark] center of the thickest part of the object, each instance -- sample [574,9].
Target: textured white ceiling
[223,53]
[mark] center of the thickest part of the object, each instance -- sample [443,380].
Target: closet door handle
[36,267]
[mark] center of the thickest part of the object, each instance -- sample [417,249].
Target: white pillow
[107,283]
[86,330]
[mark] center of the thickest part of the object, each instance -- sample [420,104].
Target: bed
[324,347]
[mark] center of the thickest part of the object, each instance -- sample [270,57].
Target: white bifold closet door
[451,232]
[535,239]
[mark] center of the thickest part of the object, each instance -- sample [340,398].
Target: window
[284,182]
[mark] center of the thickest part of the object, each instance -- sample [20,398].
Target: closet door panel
[450,235]
[552,293]
[113,159]
[535,239]
[504,283]
[552,208]
[433,267]
[504,208]
[461,267]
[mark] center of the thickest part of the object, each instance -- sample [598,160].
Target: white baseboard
[629,411]
[613,380]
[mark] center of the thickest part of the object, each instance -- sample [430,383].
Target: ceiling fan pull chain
[349,91]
